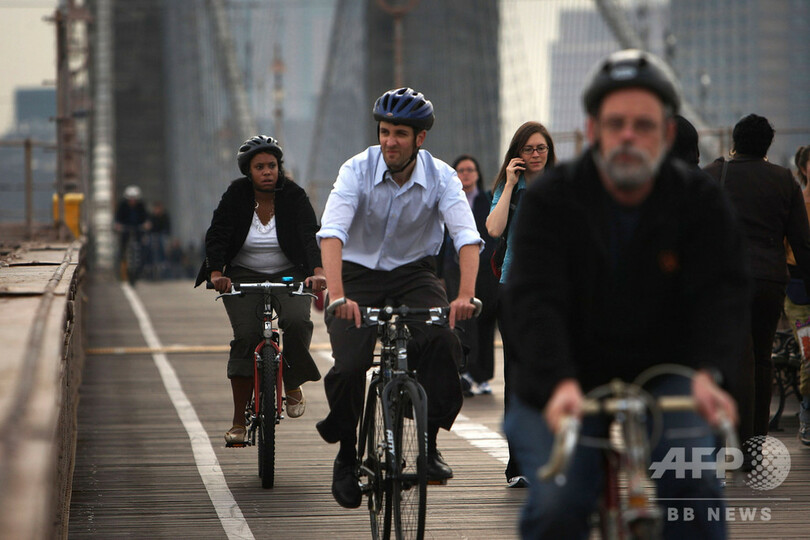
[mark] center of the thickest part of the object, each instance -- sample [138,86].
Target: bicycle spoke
[379,503]
[410,484]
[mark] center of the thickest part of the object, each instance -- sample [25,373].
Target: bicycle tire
[267,417]
[373,454]
[409,486]
[134,259]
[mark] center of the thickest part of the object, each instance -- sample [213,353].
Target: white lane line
[482,437]
[230,515]
[478,435]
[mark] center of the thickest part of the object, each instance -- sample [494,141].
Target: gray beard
[628,177]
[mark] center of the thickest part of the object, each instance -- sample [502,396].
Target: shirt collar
[418,175]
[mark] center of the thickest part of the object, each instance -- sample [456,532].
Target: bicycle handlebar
[565,440]
[295,288]
[373,316]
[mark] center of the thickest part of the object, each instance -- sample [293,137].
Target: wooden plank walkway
[136,476]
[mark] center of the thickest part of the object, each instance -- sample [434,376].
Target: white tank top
[261,251]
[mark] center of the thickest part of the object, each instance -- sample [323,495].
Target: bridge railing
[42,334]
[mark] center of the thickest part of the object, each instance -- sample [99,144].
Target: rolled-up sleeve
[458,216]
[340,206]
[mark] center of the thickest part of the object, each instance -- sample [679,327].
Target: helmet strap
[413,157]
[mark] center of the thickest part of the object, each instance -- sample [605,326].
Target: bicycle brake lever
[301,292]
[233,292]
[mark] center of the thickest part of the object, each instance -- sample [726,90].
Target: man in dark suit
[770,206]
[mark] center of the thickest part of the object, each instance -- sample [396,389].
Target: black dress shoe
[345,488]
[437,468]
[325,434]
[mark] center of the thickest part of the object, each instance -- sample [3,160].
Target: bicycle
[132,247]
[629,513]
[264,410]
[392,445]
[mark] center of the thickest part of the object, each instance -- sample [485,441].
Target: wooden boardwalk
[144,471]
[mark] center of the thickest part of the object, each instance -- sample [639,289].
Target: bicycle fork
[637,516]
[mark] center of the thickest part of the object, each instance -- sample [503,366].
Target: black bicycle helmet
[405,106]
[254,145]
[631,68]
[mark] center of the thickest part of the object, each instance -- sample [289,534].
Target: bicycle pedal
[437,482]
[235,445]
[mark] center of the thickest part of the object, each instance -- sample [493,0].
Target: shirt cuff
[327,232]
[466,239]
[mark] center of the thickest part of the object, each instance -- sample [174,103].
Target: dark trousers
[245,314]
[754,380]
[434,352]
[478,334]
[512,468]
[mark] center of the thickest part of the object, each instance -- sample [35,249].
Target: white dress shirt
[383,226]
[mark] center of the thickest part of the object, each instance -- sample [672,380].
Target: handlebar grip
[209,285]
[479,306]
[330,309]
[565,440]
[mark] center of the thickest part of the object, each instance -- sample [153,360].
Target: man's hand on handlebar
[566,400]
[711,401]
[461,309]
[344,308]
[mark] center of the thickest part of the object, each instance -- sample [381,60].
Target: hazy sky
[27,51]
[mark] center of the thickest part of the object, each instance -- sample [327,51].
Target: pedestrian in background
[686,146]
[530,152]
[770,207]
[797,299]
[477,335]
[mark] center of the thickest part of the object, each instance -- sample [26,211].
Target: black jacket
[679,294]
[296,226]
[770,206]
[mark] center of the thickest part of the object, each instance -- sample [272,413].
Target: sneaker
[484,388]
[804,433]
[518,482]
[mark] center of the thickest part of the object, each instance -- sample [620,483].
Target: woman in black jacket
[264,229]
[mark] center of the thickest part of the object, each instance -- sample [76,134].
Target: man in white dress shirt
[382,228]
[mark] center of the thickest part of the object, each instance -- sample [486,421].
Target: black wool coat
[296,226]
[770,207]
[678,294]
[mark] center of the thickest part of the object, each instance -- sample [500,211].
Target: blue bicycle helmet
[254,145]
[405,106]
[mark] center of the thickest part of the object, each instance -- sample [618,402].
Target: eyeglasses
[464,170]
[641,126]
[529,150]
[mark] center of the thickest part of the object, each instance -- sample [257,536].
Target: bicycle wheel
[134,259]
[267,417]
[410,478]
[374,466]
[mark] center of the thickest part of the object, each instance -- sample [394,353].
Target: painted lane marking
[230,515]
